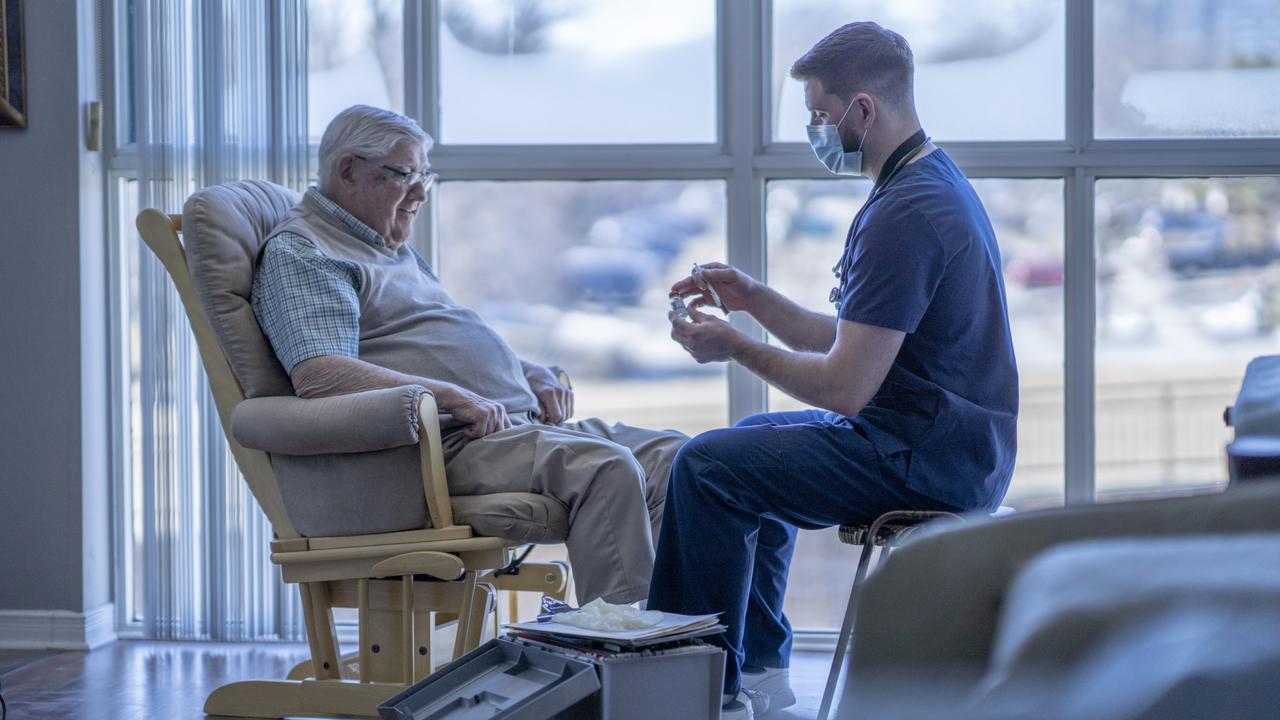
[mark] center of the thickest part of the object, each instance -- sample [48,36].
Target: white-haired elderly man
[349,306]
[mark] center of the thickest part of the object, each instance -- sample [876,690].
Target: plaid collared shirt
[307,303]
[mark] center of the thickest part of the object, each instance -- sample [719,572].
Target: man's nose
[418,191]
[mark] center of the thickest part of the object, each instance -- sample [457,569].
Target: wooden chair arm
[442,566]
[434,484]
[562,375]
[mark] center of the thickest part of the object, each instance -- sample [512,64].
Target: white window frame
[745,158]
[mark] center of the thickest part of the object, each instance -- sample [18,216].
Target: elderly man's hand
[707,338]
[482,416]
[554,399]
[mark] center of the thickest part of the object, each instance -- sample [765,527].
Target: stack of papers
[672,628]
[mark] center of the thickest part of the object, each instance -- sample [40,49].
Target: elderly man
[914,374]
[348,306]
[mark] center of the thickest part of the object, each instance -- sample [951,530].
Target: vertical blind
[219,95]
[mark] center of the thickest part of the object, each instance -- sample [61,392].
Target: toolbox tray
[500,679]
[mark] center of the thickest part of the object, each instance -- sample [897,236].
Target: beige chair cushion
[524,517]
[377,492]
[224,228]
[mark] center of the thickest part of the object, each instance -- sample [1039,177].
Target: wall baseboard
[57,629]
[810,640]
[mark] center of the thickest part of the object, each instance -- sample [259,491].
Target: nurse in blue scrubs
[912,376]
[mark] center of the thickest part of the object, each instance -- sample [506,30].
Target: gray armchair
[926,622]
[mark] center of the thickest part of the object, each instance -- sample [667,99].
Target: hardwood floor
[136,680]
[12,659]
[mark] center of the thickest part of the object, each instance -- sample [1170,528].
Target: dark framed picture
[13,70]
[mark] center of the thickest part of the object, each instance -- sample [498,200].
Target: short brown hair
[861,57]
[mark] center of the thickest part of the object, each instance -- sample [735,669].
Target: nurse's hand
[706,338]
[735,287]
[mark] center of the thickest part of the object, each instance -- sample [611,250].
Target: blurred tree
[336,31]
[504,27]
[939,31]
[388,44]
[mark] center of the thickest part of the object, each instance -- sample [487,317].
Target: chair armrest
[935,603]
[561,374]
[359,422]
[1257,408]
[435,486]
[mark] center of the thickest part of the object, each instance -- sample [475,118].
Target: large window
[1128,153]
[1188,293]
[995,74]
[576,274]
[1187,69]
[609,71]
[355,55]
[807,224]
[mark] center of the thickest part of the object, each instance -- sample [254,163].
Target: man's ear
[865,105]
[347,169]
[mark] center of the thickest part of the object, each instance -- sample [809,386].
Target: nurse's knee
[698,454]
[753,420]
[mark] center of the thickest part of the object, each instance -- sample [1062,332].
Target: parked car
[1193,241]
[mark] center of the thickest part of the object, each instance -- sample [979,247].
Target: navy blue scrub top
[925,261]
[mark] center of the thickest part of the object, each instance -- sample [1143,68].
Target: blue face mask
[827,145]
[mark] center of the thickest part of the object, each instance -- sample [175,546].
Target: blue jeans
[735,500]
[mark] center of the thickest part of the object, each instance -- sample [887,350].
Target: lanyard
[897,160]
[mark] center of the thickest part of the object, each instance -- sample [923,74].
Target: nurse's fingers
[685,286]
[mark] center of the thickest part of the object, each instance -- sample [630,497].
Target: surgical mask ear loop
[863,141]
[847,108]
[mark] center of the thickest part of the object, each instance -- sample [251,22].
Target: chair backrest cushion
[224,228]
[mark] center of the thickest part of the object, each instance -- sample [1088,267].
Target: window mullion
[421,98]
[1080,319]
[1079,263]
[1079,74]
[741,31]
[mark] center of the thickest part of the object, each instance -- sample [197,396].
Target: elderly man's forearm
[330,375]
[806,376]
[800,329]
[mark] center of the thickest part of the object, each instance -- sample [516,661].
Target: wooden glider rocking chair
[350,530]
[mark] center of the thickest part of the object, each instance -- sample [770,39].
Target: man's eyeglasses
[406,178]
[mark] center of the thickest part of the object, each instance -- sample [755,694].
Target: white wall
[55,540]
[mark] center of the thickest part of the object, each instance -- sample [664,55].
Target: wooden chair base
[549,578]
[397,622]
[309,698]
[305,670]
[382,575]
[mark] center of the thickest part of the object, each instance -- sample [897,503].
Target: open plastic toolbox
[500,679]
[517,679]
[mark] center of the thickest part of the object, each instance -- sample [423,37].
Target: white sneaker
[745,706]
[774,684]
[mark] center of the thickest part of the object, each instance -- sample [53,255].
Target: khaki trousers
[611,478]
